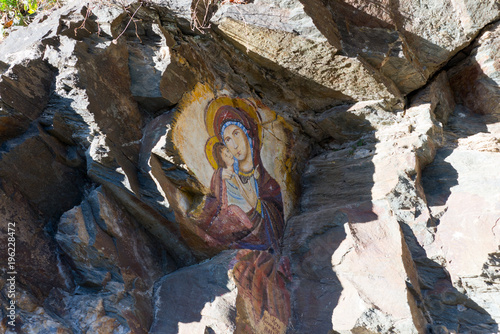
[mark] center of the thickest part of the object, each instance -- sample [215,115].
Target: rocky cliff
[312,166]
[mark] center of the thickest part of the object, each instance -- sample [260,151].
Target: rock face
[320,166]
[406,40]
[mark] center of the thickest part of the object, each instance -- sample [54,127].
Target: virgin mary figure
[243,210]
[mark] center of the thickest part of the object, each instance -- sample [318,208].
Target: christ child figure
[236,193]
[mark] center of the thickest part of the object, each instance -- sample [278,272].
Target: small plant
[202,11]
[127,8]
[354,146]
[20,12]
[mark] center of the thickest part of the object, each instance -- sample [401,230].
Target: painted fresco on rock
[244,206]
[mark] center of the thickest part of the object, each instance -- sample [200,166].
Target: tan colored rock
[344,198]
[441,97]
[285,16]
[344,270]
[365,284]
[327,245]
[455,23]
[485,288]
[447,303]
[461,186]
[474,228]
[350,78]
[407,41]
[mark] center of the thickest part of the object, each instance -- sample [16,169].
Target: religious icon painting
[240,150]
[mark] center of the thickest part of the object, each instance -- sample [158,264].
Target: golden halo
[236,102]
[209,151]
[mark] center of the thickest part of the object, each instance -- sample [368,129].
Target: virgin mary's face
[237,142]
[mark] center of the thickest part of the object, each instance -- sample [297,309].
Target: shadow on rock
[438,178]
[196,299]
[440,181]
[453,179]
[336,200]
[448,308]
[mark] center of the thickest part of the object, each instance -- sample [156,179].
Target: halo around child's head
[209,146]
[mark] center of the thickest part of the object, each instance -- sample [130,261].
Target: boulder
[24,93]
[37,262]
[299,57]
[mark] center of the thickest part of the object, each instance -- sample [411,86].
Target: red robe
[227,226]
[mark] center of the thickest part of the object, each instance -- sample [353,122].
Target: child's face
[227,157]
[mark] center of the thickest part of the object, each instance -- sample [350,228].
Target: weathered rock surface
[107,246]
[358,230]
[64,180]
[21,103]
[461,195]
[282,44]
[397,37]
[373,124]
[37,261]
